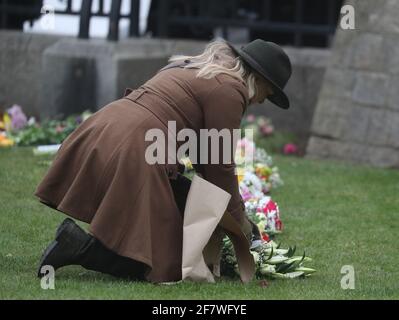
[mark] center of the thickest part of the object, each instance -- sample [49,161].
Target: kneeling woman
[135,209]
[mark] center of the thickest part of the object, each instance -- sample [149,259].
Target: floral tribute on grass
[16,129]
[265,136]
[271,261]
[256,182]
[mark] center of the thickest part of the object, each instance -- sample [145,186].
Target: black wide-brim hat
[271,62]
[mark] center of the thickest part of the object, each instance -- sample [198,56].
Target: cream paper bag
[205,205]
[205,209]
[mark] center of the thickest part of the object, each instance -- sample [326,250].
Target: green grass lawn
[339,214]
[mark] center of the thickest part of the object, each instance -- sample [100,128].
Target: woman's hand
[247,229]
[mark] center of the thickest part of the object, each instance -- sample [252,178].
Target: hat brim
[279,98]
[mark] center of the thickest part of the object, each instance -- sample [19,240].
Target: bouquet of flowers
[270,260]
[255,167]
[257,176]
[255,183]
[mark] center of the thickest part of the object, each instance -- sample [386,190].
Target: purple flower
[18,117]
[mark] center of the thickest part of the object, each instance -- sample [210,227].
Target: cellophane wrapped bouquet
[257,177]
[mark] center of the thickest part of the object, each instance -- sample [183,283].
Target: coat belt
[161,110]
[156,105]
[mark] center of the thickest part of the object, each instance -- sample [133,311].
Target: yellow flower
[240,174]
[263,170]
[187,163]
[262,226]
[7,121]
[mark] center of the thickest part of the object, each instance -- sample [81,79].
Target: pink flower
[246,195]
[266,130]
[246,144]
[250,118]
[290,148]
[59,128]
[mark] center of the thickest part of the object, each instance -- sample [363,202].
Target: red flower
[269,207]
[279,224]
[265,237]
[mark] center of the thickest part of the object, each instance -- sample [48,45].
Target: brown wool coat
[100,176]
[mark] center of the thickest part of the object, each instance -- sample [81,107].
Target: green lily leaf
[291,252]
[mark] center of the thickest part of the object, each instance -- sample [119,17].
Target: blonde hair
[218,58]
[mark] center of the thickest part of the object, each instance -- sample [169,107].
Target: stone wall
[51,76]
[20,68]
[81,74]
[357,114]
[66,75]
[302,89]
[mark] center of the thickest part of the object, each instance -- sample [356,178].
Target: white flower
[252,179]
[255,255]
[31,121]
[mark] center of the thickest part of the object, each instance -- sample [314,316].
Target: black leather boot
[63,250]
[95,256]
[73,246]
